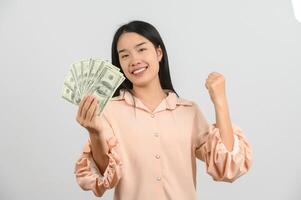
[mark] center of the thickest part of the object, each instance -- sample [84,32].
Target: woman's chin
[142,82]
[145,80]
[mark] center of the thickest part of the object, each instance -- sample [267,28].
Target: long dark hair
[149,32]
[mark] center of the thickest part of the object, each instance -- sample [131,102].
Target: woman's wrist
[94,135]
[98,143]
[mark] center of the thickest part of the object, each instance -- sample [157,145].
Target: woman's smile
[139,71]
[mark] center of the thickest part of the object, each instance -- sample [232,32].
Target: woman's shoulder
[191,104]
[184,102]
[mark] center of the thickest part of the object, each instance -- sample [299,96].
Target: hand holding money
[86,115]
[95,77]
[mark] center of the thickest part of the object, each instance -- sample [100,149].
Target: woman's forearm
[99,151]
[223,122]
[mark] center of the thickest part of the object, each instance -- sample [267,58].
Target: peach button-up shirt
[152,155]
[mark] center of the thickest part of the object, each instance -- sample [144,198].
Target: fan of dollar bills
[91,76]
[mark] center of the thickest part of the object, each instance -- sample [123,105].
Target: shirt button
[158,178]
[157,156]
[152,115]
[156,134]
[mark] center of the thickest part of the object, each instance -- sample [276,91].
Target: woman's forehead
[131,40]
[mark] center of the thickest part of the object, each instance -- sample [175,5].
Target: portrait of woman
[146,142]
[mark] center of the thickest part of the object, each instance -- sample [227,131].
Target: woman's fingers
[96,112]
[91,110]
[88,109]
[80,106]
[79,111]
[86,106]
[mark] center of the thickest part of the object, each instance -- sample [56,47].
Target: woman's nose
[135,60]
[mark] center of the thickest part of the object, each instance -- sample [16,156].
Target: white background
[255,44]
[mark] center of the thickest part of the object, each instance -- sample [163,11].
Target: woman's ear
[159,53]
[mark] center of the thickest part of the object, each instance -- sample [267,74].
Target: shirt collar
[170,102]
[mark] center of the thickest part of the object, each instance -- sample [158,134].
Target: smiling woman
[139,60]
[151,153]
[139,46]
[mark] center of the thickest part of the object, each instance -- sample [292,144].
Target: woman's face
[139,59]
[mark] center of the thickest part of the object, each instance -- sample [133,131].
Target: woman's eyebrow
[140,44]
[137,45]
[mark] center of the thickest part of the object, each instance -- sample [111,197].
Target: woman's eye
[124,56]
[143,49]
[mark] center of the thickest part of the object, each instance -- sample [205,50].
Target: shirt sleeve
[221,164]
[87,173]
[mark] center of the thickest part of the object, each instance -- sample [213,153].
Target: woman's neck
[151,95]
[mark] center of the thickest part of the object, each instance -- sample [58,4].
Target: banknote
[93,76]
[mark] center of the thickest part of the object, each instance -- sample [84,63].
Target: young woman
[146,141]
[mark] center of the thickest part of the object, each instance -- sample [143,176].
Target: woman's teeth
[139,70]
